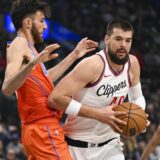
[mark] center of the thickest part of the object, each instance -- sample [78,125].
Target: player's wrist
[73,108]
[89,112]
[75,54]
[34,61]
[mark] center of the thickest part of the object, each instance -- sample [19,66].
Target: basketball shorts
[111,151]
[44,140]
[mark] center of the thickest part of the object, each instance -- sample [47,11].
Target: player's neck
[115,66]
[27,36]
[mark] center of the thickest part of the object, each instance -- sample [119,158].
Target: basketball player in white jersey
[94,86]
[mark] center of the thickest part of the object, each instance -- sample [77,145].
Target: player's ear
[106,38]
[27,23]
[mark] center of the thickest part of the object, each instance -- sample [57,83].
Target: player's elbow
[53,101]
[6,91]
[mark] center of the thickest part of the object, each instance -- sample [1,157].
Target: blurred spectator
[2,153]
[4,137]
[155,155]
[15,143]
[138,151]
[11,154]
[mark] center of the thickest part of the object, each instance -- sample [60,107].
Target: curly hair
[23,8]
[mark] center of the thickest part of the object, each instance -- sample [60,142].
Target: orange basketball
[136,118]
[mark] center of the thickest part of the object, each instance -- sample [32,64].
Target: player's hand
[46,54]
[84,46]
[108,115]
[147,124]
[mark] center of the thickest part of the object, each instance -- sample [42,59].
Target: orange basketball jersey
[32,96]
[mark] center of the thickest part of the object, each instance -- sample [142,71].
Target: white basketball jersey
[111,88]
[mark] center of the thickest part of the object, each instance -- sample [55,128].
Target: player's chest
[111,86]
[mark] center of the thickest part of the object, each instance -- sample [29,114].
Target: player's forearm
[63,103]
[11,84]
[147,152]
[151,145]
[88,112]
[57,71]
[57,102]
[135,95]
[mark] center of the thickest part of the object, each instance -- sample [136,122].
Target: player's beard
[36,35]
[114,58]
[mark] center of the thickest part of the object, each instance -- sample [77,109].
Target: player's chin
[121,56]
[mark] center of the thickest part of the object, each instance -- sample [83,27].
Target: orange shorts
[44,140]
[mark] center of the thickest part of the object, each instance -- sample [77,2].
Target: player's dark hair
[23,8]
[119,23]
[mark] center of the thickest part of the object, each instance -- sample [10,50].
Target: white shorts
[110,151]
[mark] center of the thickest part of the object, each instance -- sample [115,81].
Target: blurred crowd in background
[89,18]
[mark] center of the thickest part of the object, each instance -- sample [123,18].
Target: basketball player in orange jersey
[42,134]
[94,86]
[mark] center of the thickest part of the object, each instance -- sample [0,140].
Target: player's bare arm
[134,71]
[151,145]
[83,47]
[87,71]
[18,55]
[135,94]
[20,63]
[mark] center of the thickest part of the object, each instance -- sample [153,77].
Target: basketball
[136,119]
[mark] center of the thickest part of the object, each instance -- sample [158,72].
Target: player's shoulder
[133,60]
[91,64]
[134,65]
[94,60]
[18,43]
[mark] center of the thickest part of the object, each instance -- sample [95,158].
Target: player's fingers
[43,52]
[40,56]
[52,47]
[144,131]
[148,123]
[85,38]
[121,122]
[91,43]
[120,113]
[53,56]
[116,128]
[90,50]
